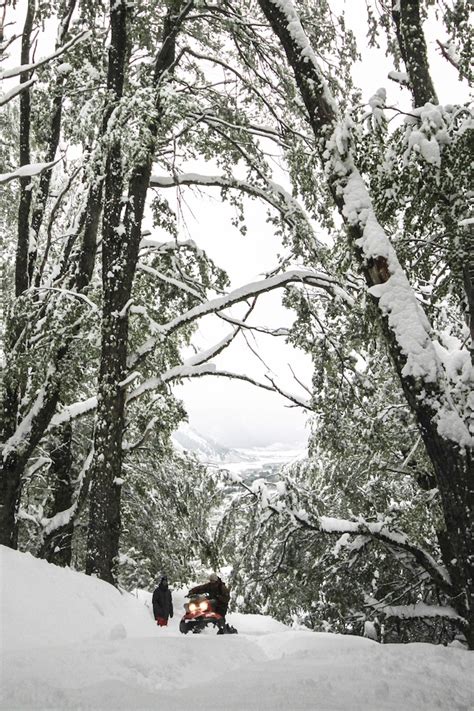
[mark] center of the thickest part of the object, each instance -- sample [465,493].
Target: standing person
[162,603]
[218,591]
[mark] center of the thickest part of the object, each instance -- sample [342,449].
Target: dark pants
[221,610]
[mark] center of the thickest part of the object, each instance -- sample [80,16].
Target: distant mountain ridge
[205,448]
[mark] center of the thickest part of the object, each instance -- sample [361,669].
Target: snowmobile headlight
[203,605]
[192,607]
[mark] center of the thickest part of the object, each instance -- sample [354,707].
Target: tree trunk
[453,467]
[104,512]
[468,278]
[10,465]
[16,452]
[411,40]
[120,247]
[57,545]
[454,472]
[22,262]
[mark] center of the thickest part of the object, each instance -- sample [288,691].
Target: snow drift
[74,642]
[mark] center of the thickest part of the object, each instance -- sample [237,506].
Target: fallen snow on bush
[73,642]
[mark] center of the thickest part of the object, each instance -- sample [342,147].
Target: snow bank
[43,605]
[73,642]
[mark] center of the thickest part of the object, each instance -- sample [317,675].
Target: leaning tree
[394,191]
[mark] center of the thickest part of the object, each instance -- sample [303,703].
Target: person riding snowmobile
[218,591]
[162,603]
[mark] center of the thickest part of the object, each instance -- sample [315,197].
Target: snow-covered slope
[205,448]
[251,463]
[72,642]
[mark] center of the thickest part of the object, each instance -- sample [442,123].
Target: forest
[111,115]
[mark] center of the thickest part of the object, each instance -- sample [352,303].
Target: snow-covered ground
[73,642]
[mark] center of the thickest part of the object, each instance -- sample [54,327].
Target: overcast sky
[233,412]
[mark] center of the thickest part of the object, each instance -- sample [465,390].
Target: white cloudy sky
[233,412]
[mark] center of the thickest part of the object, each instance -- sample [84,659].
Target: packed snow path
[72,642]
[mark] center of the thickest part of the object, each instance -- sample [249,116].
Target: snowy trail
[72,642]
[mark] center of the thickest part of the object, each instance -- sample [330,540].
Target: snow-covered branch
[63,518]
[298,401]
[417,610]
[274,194]
[411,339]
[273,502]
[71,412]
[169,280]
[26,171]
[14,91]
[393,539]
[174,245]
[19,440]
[302,276]
[207,369]
[22,68]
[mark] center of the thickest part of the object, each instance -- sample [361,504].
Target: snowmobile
[200,612]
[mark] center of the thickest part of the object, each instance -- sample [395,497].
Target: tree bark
[468,277]
[104,512]
[54,135]
[15,455]
[411,41]
[23,244]
[10,466]
[453,468]
[57,545]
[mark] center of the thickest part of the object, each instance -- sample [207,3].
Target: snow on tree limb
[14,91]
[169,280]
[406,612]
[209,369]
[395,296]
[22,68]
[309,277]
[299,402]
[275,195]
[170,245]
[19,437]
[71,412]
[196,366]
[391,537]
[26,171]
[179,371]
[63,518]
[399,78]
[271,501]
[213,351]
